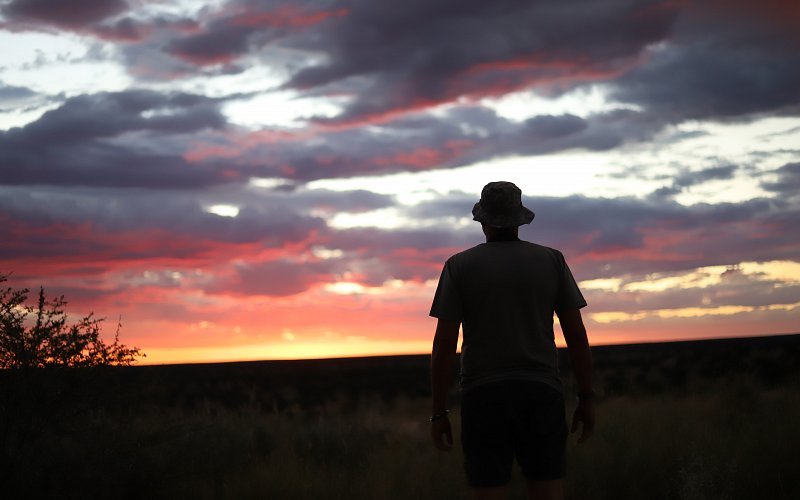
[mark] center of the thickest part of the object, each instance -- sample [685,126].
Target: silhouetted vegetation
[39,336]
[357,428]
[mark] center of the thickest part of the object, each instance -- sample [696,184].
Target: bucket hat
[501,206]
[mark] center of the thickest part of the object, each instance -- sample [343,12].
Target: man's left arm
[443,359]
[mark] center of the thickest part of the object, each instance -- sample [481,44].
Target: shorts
[513,419]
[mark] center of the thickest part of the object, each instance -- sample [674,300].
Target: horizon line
[409,354]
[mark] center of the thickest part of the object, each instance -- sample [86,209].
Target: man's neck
[502,237]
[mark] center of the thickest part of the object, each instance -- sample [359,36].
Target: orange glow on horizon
[285,351]
[369,348]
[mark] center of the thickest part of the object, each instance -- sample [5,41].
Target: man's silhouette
[504,293]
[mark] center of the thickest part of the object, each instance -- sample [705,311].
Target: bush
[39,336]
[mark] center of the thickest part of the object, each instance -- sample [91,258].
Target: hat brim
[520,217]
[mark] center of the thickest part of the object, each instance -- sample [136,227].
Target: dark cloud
[418,53]
[222,43]
[698,60]
[110,139]
[688,178]
[63,14]
[788,180]
[243,27]
[412,55]
[97,116]
[11,93]
[123,30]
[724,60]
[666,192]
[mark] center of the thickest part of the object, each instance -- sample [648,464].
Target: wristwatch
[439,416]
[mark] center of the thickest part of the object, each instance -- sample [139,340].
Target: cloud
[244,27]
[715,286]
[123,30]
[88,117]
[16,100]
[690,178]
[112,139]
[788,181]
[276,278]
[10,94]
[415,54]
[66,15]
[724,60]
[220,44]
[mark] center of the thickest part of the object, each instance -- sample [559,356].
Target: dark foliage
[39,336]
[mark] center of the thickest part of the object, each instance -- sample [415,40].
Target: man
[504,293]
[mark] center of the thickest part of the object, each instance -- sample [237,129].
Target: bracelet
[439,416]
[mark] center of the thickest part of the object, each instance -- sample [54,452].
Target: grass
[658,437]
[735,443]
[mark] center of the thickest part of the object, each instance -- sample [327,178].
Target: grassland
[707,420]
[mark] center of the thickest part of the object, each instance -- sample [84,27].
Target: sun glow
[350,347]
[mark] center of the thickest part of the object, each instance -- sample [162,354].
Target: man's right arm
[580,356]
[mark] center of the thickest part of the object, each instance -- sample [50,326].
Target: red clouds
[425,158]
[286,15]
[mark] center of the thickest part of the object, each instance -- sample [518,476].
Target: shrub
[40,336]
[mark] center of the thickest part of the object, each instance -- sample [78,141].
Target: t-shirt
[504,293]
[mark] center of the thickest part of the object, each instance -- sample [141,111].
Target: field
[688,420]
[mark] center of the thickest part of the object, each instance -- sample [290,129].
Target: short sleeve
[447,302]
[569,295]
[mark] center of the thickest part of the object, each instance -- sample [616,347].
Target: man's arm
[443,358]
[580,357]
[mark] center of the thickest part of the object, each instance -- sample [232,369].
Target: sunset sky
[284,179]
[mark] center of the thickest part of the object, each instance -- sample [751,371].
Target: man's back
[504,293]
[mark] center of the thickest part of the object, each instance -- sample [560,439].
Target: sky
[240,179]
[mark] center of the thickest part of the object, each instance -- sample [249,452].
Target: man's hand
[584,414]
[442,434]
